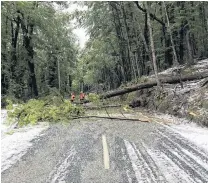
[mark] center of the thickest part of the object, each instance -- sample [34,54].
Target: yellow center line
[105,153]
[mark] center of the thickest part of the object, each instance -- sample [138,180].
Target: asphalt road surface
[110,151]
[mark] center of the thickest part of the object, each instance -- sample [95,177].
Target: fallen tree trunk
[105,117]
[101,107]
[150,84]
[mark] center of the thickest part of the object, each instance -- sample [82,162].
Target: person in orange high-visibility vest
[81,96]
[72,97]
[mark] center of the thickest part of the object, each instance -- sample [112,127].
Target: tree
[175,60]
[152,45]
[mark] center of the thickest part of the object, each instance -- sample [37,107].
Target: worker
[72,97]
[81,97]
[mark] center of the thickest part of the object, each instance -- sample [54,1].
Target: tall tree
[152,45]
[175,61]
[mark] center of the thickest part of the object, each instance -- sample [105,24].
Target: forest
[38,49]
[127,40]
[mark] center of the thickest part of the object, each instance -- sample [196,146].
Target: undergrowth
[51,109]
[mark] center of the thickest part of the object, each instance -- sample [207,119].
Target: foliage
[10,132]
[94,98]
[39,50]
[46,109]
[9,104]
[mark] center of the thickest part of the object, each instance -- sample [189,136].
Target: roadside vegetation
[47,109]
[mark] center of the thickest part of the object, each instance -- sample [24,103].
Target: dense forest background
[127,40]
[38,49]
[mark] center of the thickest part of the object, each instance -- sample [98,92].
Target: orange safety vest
[72,97]
[81,96]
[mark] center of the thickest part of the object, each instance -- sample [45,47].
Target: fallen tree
[112,118]
[101,107]
[153,83]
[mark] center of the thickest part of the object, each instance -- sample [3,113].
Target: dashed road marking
[105,153]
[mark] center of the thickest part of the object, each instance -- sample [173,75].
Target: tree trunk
[27,41]
[15,33]
[150,14]
[59,76]
[175,60]
[130,56]
[145,52]
[4,59]
[152,46]
[181,46]
[119,34]
[70,82]
[27,31]
[153,83]
[190,60]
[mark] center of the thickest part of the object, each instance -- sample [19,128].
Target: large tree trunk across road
[152,83]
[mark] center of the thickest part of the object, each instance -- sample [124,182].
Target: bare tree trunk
[27,42]
[144,38]
[190,60]
[4,76]
[130,55]
[59,75]
[175,60]
[120,35]
[14,33]
[152,46]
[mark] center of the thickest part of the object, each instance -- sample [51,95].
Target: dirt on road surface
[109,151]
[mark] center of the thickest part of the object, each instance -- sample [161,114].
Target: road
[110,151]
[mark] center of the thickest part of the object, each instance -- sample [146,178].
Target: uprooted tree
[153,83]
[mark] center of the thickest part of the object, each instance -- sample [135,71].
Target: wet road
[109,151]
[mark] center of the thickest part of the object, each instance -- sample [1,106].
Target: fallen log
[113,118]
[153,83]
[101,107]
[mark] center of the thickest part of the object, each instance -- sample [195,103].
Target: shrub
[9,104]
[94,98]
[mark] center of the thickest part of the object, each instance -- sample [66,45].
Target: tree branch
[104,117]
[151,15]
